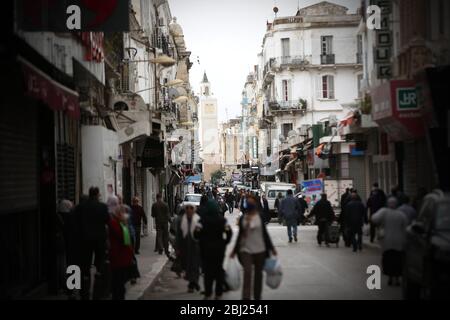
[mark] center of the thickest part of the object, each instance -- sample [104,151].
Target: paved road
[309,272]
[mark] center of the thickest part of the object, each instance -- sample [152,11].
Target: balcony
[292,61]
[288,106]
[327,59]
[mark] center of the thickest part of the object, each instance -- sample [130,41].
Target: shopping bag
[274,273]
[233,274]
[270,265]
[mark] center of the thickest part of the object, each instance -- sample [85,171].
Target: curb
[137,291]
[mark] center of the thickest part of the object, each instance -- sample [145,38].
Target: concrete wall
[99,146]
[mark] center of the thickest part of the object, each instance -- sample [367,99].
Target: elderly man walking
[160,211]
[289,209]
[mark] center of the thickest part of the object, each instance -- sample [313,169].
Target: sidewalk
[150,265]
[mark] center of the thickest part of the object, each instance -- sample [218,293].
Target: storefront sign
[42,87]
[383,46]
[397,111]
[153,154]
[310,187]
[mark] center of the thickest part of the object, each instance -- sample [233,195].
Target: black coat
[323,211]
[211,236]
[355,215]
[94,218]
[267,241]
[376,201]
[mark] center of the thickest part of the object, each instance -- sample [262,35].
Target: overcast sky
[226,36]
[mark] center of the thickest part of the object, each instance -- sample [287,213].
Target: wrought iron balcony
[292,61]
[290,105]
[327,59]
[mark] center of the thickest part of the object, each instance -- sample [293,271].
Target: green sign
[407,99]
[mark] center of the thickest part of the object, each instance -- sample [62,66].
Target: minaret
[205,86]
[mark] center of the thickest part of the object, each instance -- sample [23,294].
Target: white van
[272,191]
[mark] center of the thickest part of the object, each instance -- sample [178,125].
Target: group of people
[106,235]
[202,235]
[387,217]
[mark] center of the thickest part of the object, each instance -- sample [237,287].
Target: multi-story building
[230,153]
[308,75]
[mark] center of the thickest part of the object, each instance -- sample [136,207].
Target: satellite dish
[281,138]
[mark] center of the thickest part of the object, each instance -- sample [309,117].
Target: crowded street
[310,272]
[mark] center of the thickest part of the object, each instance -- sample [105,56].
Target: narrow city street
[309,272]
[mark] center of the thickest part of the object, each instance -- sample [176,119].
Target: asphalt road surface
[309,272]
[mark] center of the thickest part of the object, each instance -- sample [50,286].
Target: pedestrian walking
[253,246]
[138,217]
[121,251]
[324,215]
[265,209]
[289,211]
[355,217]
[375,202]
[213,234]
[161,214]
[229,198]
[94,219]
[393,223]
[408,210]
[188,246]
[277,204]
[345,198]
[303,206]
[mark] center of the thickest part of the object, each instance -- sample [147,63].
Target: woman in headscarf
[393,223]
[121,251]
[214,234]
[188,249]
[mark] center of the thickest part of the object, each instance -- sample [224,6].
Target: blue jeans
[291,230]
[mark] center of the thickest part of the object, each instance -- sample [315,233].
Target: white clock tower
[209,130]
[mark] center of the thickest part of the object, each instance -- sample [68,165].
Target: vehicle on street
[192,199]
[222,190]
[272,190]
[426,271]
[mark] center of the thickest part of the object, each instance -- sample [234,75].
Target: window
[285,50]
[359,79]
[286,89]
[287,127]
[327,45]
[359,52]
[327,88]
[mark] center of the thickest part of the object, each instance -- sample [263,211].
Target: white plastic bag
[233,274]
[274,273]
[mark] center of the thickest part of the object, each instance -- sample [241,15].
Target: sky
[226,36]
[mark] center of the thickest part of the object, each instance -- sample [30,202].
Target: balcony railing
[287,105]
[327,59]
[292,61]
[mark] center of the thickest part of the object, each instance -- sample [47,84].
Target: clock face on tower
[209,108]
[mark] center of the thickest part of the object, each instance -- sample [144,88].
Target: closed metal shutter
[66,172]
[18,159]
[357,173]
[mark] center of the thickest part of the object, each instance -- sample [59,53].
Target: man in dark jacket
[94,218]
[345,198]
[289,210]
[138,216]
[302,206]
[212,247]
[265,209]
[324,217]
[160,211]
[355,216]
[376,201]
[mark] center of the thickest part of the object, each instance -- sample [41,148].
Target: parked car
[192,199]
[272,192]
[427,251]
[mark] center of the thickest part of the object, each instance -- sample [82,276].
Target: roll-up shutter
[18,159]
[357,173]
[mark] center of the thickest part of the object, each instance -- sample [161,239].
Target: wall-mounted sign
[383,46]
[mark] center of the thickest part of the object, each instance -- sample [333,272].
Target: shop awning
[193,179]
[40,86]
[320,149]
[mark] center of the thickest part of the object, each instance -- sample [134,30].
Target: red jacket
[120,255]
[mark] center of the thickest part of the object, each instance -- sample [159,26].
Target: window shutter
[319,87]
[289,84]
[331,87]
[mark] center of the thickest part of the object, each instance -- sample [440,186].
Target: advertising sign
[311,190]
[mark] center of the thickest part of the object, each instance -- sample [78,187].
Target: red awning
[348,120]
[42,87]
